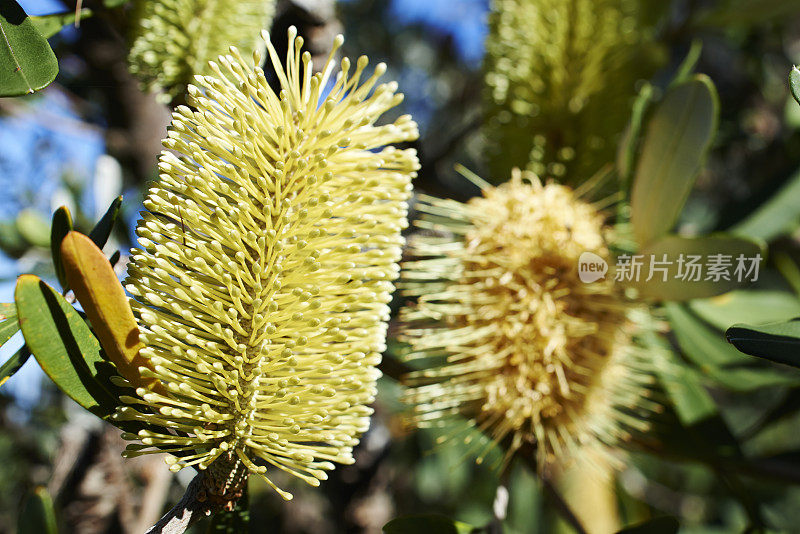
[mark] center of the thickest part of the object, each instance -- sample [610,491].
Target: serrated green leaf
[426,524]
[13,364]
[659,525]
[777,216]
[62,343]
[61,226]
[38,516]
[49,25]
[752,307]
[678,137]
[102,229]
[33,227]
[778,342]
[678,282]
[27,63]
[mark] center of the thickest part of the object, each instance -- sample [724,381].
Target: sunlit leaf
[13,364]
[678,137]
[794,83]
[63,345]
[777,216]
[95,284]
[8,321]
[27,63]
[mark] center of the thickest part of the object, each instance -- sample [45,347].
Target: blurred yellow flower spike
[268,253]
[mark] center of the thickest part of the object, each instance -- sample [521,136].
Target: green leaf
[678,282]
[102,229]
[748,13]
[775,342]
[678,137]
[705,347]
[753,307]
[61,226]
[8,322]
[62,343]
[777,216]
[426,524]
[626,152]
[688,64]
[33,227]
[794,83]
[659,525]
[38,515]
[49,25]
[13,364]
[27,63]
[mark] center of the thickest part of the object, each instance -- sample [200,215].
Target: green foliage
[794,83]
[426,524]
[65,348]
[33,228]
[26,60]
[659,525]
[776,342]
[38,516]
[61,226]
[560,79]
[678,137]
[49,25]
[778,216]
[753,306]
[102,229]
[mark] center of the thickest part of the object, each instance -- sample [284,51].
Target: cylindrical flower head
[560,79]
[173,40]
[268,253]
[511,337]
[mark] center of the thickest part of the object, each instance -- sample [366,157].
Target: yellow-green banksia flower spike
[172,40]
[560,79]
[508,335]
[269,249]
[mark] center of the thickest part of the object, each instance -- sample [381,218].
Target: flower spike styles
[173,40]
[519,346]
[268,253]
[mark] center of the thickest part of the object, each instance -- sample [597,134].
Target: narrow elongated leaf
[705,347]
[794,83]
[13,364]
[97,288]
[752,307]
[102,229]
[63,345]
[38,516]
[776,342]
[426,524]
[8,322]
[27,63]
[49,25]
[659,525]
[678,137]
[777,216]
[688,64]
[681,268]
[61,226]
[626,153]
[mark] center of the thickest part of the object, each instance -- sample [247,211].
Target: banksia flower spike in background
[560,79]
[172,40]
[268,253]
[512,339]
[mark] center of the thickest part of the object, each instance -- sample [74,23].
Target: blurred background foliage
[724,455]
